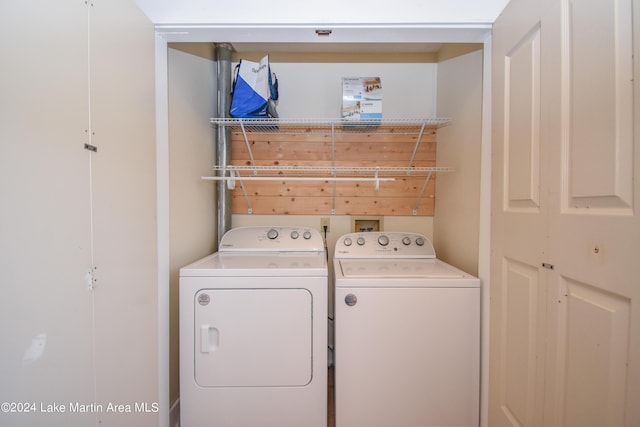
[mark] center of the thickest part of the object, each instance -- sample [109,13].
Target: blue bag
[255,90]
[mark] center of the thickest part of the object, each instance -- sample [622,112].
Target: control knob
[383,240]
[272,234]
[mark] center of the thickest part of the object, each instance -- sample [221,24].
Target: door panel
[596,342]
[597,82]
[522,121]
[586,262]
[48,337]
[594,227]
[520,329]
[518,284]
[123,209]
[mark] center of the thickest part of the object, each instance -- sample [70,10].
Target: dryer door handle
[209,338]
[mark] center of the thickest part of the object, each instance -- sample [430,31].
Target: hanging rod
[231,179]
[294,178]
[326,174]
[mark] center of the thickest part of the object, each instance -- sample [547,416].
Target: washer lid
[399,268]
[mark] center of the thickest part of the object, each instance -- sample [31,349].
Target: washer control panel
[384,245]
[276,238]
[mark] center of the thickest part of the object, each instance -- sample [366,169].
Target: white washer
[253,331]
[407,334]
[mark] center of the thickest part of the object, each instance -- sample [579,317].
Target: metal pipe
[223,146]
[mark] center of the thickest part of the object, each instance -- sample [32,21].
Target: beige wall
[76,73]
[314,90]
[457,210]
[191,154]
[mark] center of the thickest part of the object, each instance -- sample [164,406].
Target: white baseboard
[174,414]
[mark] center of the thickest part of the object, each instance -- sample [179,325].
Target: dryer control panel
[272,239]
[384,245]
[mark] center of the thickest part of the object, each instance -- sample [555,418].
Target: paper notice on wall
[361,98]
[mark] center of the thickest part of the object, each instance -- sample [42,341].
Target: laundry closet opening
[420,81]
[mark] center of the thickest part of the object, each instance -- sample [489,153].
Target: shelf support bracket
[246,141]
[415,148]
[244,192]
[424,187]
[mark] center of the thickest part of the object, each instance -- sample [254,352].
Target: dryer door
[253,337]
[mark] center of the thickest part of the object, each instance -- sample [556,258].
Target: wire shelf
[293,125]
[375,174]
[322,172]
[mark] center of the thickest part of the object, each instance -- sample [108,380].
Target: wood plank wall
[363,148]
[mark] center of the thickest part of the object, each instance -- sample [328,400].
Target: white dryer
[253,331]
[407,334]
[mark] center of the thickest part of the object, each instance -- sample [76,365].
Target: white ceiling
[355,26]
[326,12]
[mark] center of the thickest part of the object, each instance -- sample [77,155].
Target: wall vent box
[361,98]
[367,223]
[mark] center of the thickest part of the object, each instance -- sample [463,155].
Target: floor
[331,412]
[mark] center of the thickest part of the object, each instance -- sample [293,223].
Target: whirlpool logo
[204,299]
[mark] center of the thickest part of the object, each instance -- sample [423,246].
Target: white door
[565,291]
